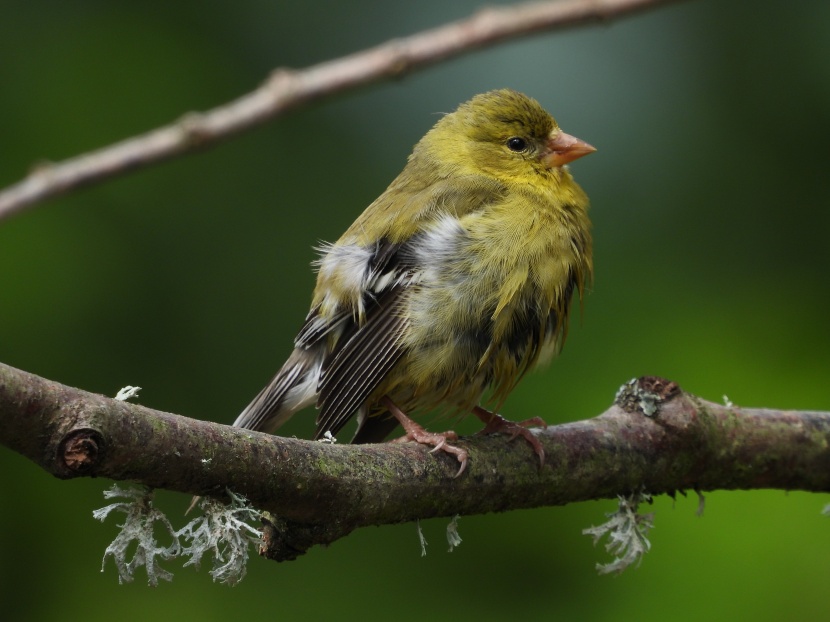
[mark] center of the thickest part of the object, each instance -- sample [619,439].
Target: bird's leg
[496,424]
[415,432]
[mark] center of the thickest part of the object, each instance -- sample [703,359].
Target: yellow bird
[450,286]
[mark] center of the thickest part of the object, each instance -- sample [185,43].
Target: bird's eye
[516,144]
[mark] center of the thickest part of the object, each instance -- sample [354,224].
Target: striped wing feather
[356,368]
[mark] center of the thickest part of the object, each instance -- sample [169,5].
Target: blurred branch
[655,438]
[287,89]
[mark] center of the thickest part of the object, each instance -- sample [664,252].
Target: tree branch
[287,89]
[655,438]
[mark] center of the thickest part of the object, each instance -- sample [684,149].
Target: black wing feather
[357,367]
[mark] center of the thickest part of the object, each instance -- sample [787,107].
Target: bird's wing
[338,359]
[365,352]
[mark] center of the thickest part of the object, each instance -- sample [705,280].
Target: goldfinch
[449,287]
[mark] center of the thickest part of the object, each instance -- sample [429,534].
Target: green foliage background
[710,204]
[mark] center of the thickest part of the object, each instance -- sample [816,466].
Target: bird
[453,284]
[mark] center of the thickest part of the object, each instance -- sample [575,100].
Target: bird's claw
[496,424]
[438,440]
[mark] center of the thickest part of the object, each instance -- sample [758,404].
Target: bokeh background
[710,202]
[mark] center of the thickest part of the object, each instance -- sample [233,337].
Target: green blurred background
[709,196]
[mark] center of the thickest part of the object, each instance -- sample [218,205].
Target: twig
[287,89]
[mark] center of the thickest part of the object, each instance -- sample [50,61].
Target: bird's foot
[416,432]
[496,424]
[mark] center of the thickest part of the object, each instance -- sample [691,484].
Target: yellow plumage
[458,278]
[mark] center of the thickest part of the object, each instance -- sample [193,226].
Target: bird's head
[504,134]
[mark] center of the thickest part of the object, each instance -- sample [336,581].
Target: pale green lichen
[701,503]
[421,538]
[627,532]
[127,393]
[222,530]
[328,437]
[632,391]
[225,531]
[138,527]
[453,538]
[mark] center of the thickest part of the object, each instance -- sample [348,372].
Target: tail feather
[293,387]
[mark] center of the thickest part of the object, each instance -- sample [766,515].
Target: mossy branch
[655,437]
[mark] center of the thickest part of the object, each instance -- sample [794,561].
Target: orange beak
[564,148]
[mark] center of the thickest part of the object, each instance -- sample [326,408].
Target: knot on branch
[194,131]
[646,395]
[284,540]
[281,84]
[81,451]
